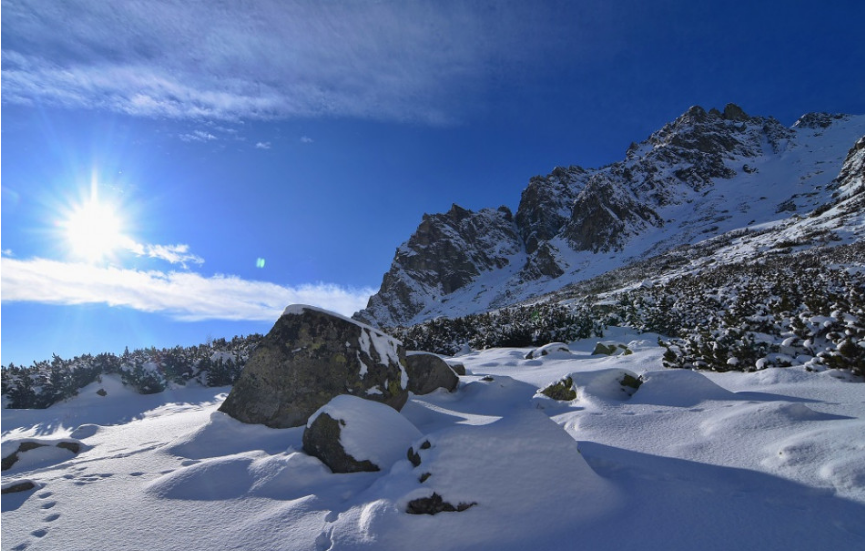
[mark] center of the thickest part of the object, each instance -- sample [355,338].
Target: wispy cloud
[393,60]
[184,296]
[175,254]
[262,145]
[198,136]
[306,139]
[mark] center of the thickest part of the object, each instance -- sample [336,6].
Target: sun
[93,230]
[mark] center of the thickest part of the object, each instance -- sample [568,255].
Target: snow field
[773,459]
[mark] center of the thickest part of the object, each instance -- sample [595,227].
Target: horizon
[188,177]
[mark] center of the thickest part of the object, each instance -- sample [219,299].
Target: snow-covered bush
[150,370]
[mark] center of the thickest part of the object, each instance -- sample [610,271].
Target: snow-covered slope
[767,460]
[700,176]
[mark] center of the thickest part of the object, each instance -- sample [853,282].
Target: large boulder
[427,372]
[309,357]
[351,435]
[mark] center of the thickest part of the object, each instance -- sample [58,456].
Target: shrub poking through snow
[611,349]
[563,390]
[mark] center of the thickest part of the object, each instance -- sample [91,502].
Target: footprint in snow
[40,533]
[52,517]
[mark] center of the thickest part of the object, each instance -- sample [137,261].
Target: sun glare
[93,230]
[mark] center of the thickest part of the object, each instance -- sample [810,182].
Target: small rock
[458,367]
[428,372]
[563,390]
[435,504]
[23,486]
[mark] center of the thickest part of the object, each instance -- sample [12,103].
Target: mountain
[704,175]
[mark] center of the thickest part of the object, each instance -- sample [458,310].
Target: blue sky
[245,156]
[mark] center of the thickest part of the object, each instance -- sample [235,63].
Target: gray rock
[321,440]
[23,486]
[427,372]
[309,357]
[458,367]
[434,505]
[563,390]
[350,434]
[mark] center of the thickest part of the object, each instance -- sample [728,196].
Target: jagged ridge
[704,174]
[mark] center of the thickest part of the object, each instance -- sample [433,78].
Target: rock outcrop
[446,253]
[309,357]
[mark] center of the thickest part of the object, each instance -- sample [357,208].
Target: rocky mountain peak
[446,253]
[818,121]
[733,112]
[703,173]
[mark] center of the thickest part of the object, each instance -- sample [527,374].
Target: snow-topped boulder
[309,357]
[350,435]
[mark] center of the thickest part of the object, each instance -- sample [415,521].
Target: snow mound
[829,455]
[516,471]
[766,416]
[679,388]
[370,430]
[604,385]
[27,454]
[287,476]
[224,435]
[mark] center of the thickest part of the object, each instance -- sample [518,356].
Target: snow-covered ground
[767,460]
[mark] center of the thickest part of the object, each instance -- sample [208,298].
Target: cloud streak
[174,254]
[184,296]
[394,60]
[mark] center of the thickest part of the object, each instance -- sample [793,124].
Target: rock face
[350,435]
[703,174]
[446,253]
[427,372]
[309,357]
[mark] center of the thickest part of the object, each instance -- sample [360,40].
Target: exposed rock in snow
[309,357]
[350,434]
[428,372]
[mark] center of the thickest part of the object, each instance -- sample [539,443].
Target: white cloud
[392,60]
[306,139]
[262,145]
[184,296]
[197,136]
[175,254]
